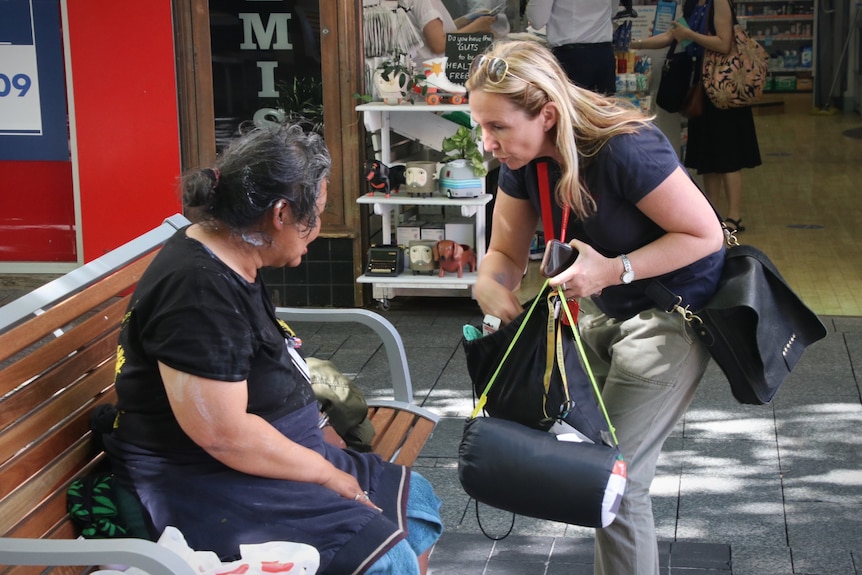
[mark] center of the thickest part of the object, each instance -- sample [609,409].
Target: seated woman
[217,432]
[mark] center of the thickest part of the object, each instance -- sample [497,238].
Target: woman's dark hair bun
[199,187]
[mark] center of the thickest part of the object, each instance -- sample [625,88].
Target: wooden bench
[57,353]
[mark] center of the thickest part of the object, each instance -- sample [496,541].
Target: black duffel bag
[530,472]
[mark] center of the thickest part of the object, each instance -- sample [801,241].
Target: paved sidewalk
[741,490]
[747,490]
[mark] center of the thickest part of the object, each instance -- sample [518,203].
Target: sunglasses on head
[495,68]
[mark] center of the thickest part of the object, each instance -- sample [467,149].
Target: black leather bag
[678,76]
[755,326]
[518,393]
[530,472]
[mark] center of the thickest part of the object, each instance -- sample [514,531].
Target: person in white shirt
[434,21]
[580,33]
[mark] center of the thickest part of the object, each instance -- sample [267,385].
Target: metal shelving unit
[786,28]
[420,122]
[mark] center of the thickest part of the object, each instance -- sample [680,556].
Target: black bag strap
[666,299]
[671,49]
[732,12]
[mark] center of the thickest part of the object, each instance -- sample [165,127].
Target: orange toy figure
[452,257]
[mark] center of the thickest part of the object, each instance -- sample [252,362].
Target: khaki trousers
[648,368]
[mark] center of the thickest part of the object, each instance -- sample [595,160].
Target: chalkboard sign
[460,51]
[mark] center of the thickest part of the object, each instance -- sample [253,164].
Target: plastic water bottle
[806,57]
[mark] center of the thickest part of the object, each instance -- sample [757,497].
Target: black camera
[558,256]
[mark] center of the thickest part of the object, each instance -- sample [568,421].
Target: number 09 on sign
[18,85]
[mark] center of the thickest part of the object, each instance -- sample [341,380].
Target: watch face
[628,277]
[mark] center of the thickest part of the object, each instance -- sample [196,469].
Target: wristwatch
[628,273]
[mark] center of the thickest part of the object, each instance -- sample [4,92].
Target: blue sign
[665,13]
[32,82]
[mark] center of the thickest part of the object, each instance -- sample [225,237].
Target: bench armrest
[145,555]
[395,355]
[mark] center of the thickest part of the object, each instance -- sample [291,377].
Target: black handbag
[754,326]
[678,75]
[528,387]
[507,460]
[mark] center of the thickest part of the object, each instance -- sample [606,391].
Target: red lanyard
[547,213]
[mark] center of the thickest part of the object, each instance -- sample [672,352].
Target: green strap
[589,370]
[480,405]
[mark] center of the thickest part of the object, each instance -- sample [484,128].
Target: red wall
[37,212]
[126,118]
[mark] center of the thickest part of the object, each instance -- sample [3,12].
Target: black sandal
[734,225]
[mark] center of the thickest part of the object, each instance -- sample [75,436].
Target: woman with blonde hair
[614,189]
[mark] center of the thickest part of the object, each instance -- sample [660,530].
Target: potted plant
[462,146]
[464,167]
[394,79]
[300,102]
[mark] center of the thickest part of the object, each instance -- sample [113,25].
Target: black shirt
[624,171]
[193,313]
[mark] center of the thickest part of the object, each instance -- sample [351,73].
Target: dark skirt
[218,508]
[722,141]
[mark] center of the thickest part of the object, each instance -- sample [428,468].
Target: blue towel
[424,527]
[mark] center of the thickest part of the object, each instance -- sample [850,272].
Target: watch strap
[628,273]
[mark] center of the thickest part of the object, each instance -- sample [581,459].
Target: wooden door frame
[342,73]
[194,82]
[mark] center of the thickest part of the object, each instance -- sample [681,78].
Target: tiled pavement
[747,490]
[741,490]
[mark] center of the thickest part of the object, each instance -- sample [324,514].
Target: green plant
[462,145]
[396,66]
[302,102]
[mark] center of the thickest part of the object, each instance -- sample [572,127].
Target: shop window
[266,64]
[266,67]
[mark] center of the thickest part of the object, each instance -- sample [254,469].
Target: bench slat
[413,444]
[400,434]
[37,505]
[72,401]
[65,312]
[59,349]
[49,519]
[380,418]
[30,397]
[33,570]
[65,530]
[27,463]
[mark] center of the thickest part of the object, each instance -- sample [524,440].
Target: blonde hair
[587,120]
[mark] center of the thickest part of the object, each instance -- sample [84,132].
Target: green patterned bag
[92,506]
